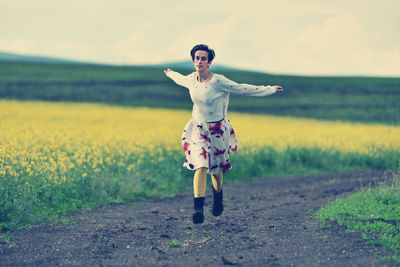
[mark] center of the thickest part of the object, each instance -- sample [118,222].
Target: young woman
[208,137]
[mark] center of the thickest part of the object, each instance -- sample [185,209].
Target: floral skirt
[208,144]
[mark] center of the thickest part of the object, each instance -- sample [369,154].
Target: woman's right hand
[167,70]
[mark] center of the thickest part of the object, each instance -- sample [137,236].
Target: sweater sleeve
[227,85]
[179,78]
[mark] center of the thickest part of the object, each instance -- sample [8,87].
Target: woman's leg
[218,206]
[200,182]
[199,188]
[217,181]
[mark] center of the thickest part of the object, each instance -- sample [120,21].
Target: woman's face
[200,61]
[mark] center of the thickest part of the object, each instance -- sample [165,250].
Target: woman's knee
[202,170]
[217,176]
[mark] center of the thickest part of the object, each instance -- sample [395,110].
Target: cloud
[71,50]
[324,47]
[381,62]
[140,46]
[144,44]
[26,46]
[339,45]
[216,35]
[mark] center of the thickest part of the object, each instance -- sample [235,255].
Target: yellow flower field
[63,156]
[280,132]
[53,138]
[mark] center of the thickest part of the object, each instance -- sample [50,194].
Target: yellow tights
[200,182]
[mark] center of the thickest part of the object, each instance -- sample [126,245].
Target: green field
[363,99]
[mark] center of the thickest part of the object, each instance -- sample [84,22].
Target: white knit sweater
[211,98]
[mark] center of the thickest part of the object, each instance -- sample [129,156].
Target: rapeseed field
[57,157]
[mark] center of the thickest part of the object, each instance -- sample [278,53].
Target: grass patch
[174,243]
[375,212]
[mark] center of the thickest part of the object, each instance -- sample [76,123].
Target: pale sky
[304,37]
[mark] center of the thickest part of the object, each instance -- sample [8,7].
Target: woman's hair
[203,47]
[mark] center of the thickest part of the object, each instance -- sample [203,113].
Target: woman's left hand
[279,88]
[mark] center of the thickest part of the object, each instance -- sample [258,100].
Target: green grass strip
[160,173]
[375,213]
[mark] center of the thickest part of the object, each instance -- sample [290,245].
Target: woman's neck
[203,76]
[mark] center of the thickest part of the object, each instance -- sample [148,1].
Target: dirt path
[267,222]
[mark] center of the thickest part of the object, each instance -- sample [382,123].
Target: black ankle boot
[198,215]
[218,206]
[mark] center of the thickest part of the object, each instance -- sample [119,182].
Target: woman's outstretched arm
[177,77]
[247,89]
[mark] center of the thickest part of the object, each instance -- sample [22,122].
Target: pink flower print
[205,138]
[216,129]
[225,166]
[213,167]
[186,147]
[204,153]
[234,149]
[219,152]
